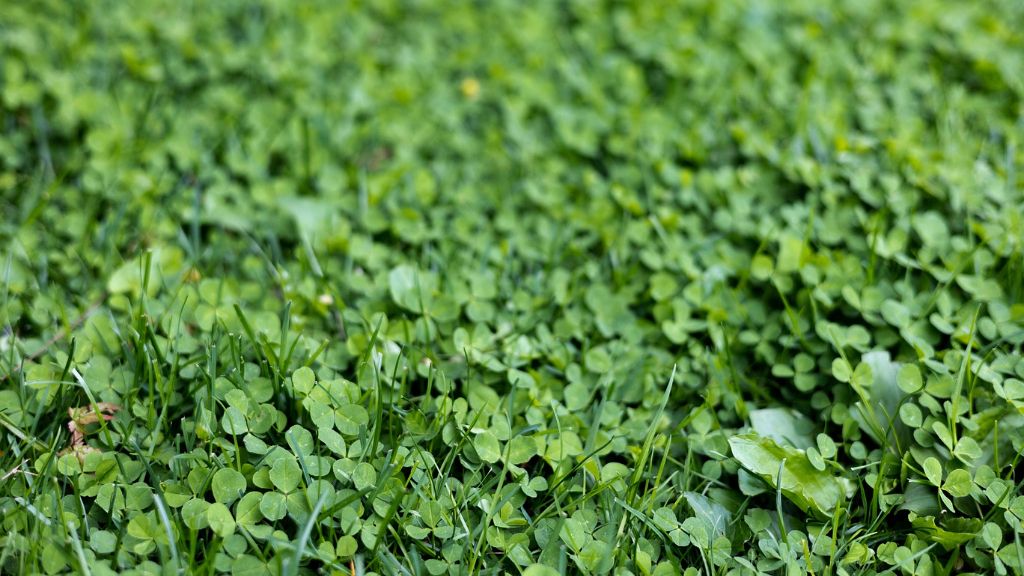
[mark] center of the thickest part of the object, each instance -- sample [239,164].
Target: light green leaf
[487,447]
[233,421]
[933,470]
[909,379]
[220,519]
[841,370]
[193,513]
[349,418]
[346,547]
[436,567]
[141,526]
[785,427]
[714,514]
[953,533]
[540,570]
[958,483]
[334,442]
[812,490]
[102,541]
[577,396]
[574,534]
[273,506]
[911,415]
[521,449]
[228,485]
[246,565]
[303,380]
[791,249]
[364,476]
[247,511]
[411,288]
[285,474]
[596,557]
[322,415]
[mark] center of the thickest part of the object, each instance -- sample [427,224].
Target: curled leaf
[814,491]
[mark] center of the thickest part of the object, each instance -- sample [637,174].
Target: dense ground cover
[426,287]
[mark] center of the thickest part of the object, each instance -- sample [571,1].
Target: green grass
[431,287]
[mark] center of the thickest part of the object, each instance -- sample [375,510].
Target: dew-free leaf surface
[436,287]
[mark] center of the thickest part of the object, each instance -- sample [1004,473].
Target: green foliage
[432,287]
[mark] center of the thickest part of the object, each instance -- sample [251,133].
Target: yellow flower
[470,88]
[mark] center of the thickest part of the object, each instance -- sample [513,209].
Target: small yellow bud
[470,88]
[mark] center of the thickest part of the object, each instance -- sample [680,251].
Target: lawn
[425,287]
